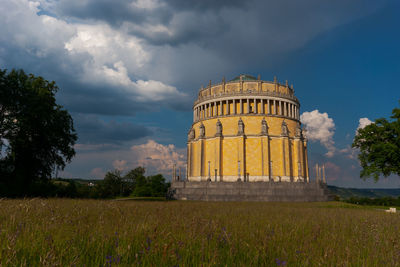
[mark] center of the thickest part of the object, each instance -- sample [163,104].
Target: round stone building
[248,130]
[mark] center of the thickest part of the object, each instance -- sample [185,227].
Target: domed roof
[245,77]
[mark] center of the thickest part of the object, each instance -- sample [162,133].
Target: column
[248,105]
[262,106]
[189,157]
[255,105]
[286,107]
[283,156]
[194,114]
[201,174]
[234,107]
[269,160]
[218,158]
[241,106]
[291,110]
[275,109]
[262,157]
[220,108]
[227,107]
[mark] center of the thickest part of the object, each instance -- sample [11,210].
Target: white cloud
[320,128]
[350,152]
[156,157]
[363,122]
[119,164]
[108,57]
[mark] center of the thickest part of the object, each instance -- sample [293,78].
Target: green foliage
[379,145]
[66,232]
[36,134]
[383,201]
[134,184]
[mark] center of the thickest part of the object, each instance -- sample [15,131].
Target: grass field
[65,232]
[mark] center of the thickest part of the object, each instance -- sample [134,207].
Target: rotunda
[249,130]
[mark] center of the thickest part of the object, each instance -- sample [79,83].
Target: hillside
[367,192]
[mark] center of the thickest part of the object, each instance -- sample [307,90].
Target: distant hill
[345,193]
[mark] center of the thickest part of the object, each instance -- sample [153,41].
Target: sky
[129,71]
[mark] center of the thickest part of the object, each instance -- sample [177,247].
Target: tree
[379,145]
[36,134]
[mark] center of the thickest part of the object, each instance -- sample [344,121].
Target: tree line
[115,184]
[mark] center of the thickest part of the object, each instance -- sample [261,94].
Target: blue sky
[129,71]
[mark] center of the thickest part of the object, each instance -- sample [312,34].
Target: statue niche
[191,134]
[284,128]
[202,131]
[264,127]
[240,127]
[219,129]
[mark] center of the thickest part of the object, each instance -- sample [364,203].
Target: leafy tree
[379,145]
[36,134]
[136,176]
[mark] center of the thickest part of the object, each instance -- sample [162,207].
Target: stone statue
[264,127]
[240,127]
[298,131]
[202,131]
[285,131]
[191,134]
[219,128]
[304,133]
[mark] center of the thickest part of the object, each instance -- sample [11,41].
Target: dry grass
[63,232]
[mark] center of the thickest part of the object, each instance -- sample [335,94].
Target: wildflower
[280,262]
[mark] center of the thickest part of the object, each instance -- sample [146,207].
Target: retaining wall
[250,191]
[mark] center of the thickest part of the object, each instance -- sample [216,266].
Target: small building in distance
[246,137]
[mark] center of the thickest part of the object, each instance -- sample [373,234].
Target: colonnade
[267,107]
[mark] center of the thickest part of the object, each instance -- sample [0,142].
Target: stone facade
[247,130]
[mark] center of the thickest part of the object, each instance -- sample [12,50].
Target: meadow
[67,232]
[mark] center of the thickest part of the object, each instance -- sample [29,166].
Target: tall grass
[64,232]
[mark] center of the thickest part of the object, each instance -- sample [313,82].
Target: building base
[250,191]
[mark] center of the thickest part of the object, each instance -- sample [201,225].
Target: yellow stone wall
[223,153]
[254,151]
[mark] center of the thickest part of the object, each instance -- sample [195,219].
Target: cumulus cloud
[93,56]
[350,152]
[155,157]
[363,122]
[320,128]
[119,164]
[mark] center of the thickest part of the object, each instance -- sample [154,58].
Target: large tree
[36,134]
[379,145]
